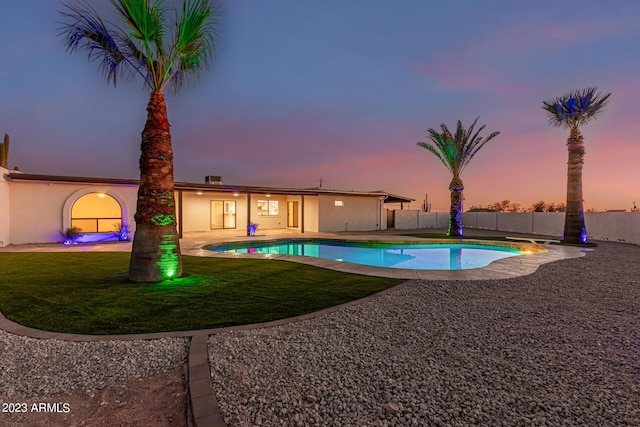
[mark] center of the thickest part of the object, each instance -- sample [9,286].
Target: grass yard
[89,293]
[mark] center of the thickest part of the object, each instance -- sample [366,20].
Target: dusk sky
[342,90]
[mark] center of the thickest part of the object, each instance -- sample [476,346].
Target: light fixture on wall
[199,193]
[236,194]
[267,195]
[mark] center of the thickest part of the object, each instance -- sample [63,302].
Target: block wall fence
[608,226]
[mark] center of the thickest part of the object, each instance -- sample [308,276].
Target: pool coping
[505,268]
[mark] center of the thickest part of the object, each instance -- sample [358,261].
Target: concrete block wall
[611,226]
[407,219]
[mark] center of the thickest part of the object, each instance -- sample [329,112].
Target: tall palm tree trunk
[455,211]
[574,228]
[155,255]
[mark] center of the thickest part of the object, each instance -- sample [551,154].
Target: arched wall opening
[100,213]
[96,213]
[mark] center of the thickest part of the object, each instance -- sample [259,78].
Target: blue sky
[341,91]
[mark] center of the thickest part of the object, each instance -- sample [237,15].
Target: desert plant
[455,151]
[122,232]
[571,111]
[165,52]
[71,235]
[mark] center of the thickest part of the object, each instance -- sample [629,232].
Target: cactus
[4,152]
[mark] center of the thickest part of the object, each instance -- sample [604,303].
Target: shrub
[71,235]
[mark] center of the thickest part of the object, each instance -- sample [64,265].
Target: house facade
[38,208]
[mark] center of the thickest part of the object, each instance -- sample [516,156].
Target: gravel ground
[560,347]
[33,368]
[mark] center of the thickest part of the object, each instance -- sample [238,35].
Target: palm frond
[575,108]
[478,144]
[436,152]
[137,58]
[195,40]
[139,45]
[455,151]
[86,30]
[145,19]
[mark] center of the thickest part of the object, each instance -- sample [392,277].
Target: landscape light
[168,262]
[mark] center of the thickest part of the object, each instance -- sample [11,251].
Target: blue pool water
[454,256]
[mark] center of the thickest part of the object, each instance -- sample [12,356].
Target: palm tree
[455,151]
[571,111]
[164,56]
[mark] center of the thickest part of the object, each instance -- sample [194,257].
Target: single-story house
[37,208]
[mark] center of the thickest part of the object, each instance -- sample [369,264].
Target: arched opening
[96,213]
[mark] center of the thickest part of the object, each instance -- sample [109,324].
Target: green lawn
[88,293]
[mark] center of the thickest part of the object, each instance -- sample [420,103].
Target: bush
[71,235]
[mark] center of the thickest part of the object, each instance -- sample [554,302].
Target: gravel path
[33,368]
[560,347]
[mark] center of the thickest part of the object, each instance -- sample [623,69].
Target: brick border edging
[203,403]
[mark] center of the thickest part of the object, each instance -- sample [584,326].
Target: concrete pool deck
[194,244]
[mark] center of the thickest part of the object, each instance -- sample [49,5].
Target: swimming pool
[419,256]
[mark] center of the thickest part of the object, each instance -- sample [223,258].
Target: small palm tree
[163,56]
[455,151]
[571,111]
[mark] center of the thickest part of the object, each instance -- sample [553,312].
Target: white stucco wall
[311,207]
[358,213]
[39,211]
[4,209]
[196,210]
[269,222]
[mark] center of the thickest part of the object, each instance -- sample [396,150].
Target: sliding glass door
[223,214]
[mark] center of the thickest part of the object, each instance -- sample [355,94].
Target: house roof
[187,186]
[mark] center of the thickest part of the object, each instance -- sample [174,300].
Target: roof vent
[213,180]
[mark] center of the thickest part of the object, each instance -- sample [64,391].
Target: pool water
[450,256]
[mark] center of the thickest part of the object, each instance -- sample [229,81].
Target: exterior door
[223,214]
[292,214]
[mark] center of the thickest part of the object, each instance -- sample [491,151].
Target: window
[96,213]
[339,203]
[268,208]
